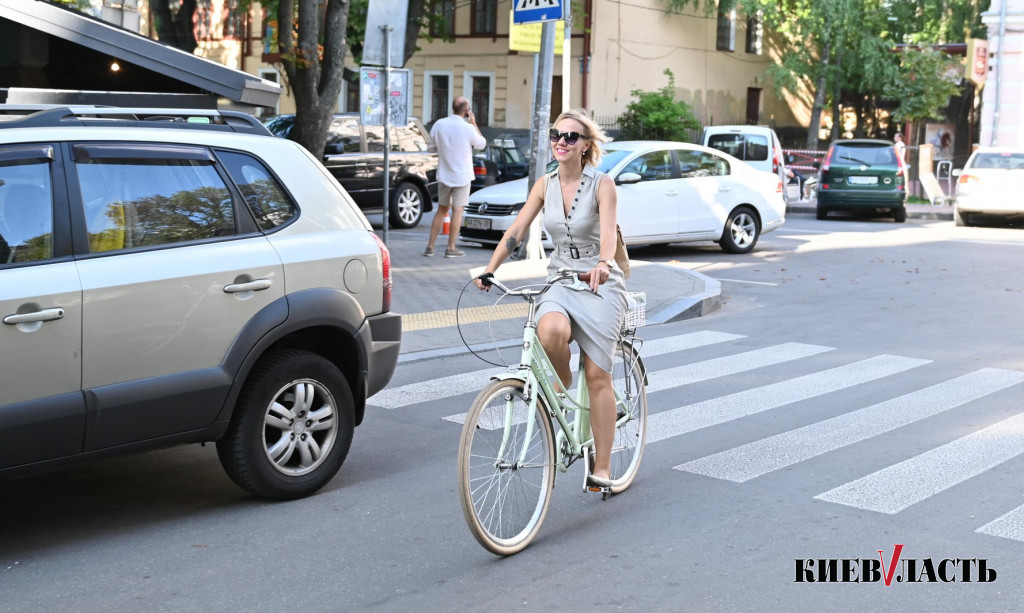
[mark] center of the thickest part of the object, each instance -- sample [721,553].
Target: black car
[355,156]
[500,161]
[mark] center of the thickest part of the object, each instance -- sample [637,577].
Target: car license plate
[863,180]
[477,224]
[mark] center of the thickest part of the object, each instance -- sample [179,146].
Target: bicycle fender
[509,376]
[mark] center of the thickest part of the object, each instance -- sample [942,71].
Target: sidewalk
[427,290]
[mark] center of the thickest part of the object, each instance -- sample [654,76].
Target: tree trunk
[315,80]
[819,102]
[837,96]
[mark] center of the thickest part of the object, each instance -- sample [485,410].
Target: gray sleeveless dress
[595,320]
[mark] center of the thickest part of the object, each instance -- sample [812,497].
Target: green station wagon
[862,175]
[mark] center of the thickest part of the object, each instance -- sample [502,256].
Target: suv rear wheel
[406,206]
[292,426]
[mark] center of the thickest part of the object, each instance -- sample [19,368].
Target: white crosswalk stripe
[752,460]
[729,365]
[444,387]
[666,424]
[1009,526]
[718,367]
[895,488]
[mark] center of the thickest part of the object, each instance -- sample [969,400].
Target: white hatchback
[668,192]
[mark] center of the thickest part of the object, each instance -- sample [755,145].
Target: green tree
[657,115]
[928,79]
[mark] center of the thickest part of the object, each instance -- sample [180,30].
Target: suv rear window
[864,154]
[151,196]
[747,147]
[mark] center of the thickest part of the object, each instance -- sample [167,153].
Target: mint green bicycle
[510,448]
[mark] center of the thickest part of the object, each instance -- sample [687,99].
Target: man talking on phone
[455,138]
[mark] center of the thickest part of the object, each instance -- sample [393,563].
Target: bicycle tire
[629,380]
[505,505]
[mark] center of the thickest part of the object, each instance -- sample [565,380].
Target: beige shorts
[448,195]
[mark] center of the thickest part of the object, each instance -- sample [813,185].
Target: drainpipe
[999,69]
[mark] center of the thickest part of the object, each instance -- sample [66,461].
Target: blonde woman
[578,204]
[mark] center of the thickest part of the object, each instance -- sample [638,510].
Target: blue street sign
[533,11]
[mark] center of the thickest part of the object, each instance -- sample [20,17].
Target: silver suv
[183,276]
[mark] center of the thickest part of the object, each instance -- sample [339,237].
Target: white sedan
[989,185]
[668,192]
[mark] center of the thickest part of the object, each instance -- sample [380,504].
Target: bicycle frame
[533,369]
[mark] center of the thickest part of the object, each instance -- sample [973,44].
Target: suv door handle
[252,286]
[724,189]
[27,318]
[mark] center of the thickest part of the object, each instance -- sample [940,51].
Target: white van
[758,146]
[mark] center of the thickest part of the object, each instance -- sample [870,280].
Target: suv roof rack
[49,115]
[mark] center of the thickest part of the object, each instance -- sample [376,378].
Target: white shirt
[455,140]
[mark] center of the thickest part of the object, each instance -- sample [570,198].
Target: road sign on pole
[531,11]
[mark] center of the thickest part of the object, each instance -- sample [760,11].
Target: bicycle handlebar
[577,283]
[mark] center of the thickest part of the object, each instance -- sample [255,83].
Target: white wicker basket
[636,312]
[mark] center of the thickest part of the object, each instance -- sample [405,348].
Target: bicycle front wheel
[629,383]
[506,468]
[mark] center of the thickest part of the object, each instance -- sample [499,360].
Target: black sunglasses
[570,137]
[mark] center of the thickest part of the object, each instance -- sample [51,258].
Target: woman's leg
[602,417]
[554,333]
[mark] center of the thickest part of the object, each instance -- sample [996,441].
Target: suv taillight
[385,260]
[775,162]
[825,162]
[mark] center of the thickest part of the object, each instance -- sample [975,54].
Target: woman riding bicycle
[579,206]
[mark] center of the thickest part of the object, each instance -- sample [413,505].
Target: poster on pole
[526,37]
[373,99]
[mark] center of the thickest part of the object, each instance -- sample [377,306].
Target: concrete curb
[689,307]
[914,211]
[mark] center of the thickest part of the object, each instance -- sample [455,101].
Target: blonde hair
[591,132]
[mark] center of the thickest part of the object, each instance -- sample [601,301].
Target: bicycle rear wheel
[505,493]
[629,383]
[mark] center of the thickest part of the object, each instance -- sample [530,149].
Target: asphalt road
[858,390]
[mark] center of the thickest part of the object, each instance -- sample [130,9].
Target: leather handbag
[621,255]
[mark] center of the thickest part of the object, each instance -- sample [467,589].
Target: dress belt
[578,251]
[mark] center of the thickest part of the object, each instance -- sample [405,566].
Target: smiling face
[565,152]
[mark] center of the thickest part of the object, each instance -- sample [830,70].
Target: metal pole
[387,128]
[567,65]
[538,139]
[999,72]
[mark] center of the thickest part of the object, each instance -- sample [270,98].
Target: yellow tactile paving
[469,315]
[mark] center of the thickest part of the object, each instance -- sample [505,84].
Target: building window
[232,23]
[203,29]
[755,32]
[269,74]
[481,100]
[726,26]
[438,97]
[484,18]
[446,10]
